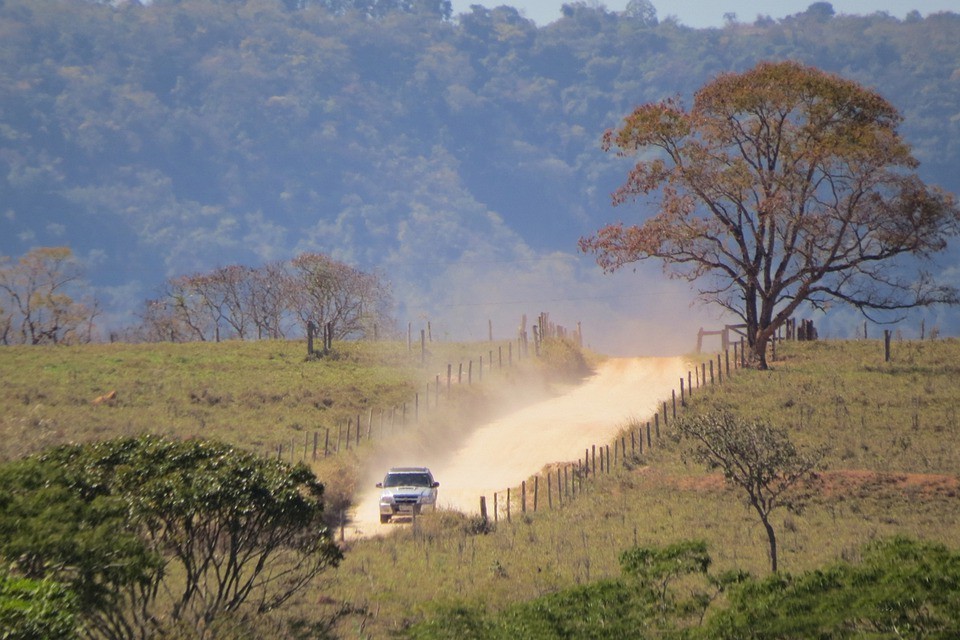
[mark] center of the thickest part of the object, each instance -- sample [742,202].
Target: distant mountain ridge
[458,154]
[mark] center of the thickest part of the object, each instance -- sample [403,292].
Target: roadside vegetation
[882,508]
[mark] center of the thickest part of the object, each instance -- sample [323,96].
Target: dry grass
[252,394]
[892,469]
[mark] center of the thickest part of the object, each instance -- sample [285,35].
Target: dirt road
[501,454]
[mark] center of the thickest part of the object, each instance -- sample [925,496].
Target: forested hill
[458,153]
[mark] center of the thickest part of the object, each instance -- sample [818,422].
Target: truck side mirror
[436,484]
[379,485]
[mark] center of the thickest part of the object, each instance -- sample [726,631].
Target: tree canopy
[149,532]
[275,300]
[38,302]
[781,186]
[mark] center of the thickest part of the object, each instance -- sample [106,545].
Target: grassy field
[892,466]
[251,394]
[891,469]
[254,394]
[261,396]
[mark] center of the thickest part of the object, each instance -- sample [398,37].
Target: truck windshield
[407,480]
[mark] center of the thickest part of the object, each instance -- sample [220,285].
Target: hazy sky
[709,13]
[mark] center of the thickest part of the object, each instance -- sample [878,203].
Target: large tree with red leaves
[782,185]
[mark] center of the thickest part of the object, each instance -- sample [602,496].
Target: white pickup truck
[407,491]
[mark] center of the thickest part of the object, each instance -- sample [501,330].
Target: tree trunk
[758,352]
[772,538]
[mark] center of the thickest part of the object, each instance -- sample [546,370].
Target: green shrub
[127,522]
[900,588]
[35,609]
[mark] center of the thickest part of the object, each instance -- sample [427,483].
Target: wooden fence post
[523,496]
[483,508]
[561,485]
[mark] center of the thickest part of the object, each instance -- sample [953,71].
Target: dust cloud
[504,452]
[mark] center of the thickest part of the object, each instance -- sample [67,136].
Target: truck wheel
[384,519]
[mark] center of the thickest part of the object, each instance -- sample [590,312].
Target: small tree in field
[755,457]
[328,291]
[781,186]
[36,306]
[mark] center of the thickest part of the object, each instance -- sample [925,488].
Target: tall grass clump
[563,359]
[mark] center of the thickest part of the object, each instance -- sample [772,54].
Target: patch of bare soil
[504,452]
[832,485]
[860,483]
